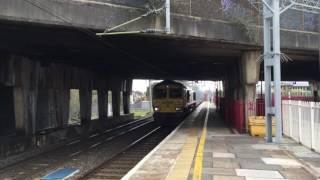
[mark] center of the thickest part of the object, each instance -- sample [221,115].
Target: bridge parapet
[220,20]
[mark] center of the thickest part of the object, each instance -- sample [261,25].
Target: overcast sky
[141,85]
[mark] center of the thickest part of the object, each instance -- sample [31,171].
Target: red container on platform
[239,122]
[234,115]
[260,109]
[227,112]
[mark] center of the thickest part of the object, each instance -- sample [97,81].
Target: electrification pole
[168,16]
[271,14]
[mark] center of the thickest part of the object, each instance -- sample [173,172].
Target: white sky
[207,85]
[141,85]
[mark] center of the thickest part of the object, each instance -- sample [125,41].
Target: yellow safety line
[197,171]
[183,163]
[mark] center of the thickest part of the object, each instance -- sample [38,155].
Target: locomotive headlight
[156,109]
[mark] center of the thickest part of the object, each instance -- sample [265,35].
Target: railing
[260,109]
[298,98]
[301,121]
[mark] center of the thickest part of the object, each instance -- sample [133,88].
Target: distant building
[296,88]
[137,96]
[290,88]
[145,105]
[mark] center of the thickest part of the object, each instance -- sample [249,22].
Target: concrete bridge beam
[238,23]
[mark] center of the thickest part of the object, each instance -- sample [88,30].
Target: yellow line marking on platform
[197,172]
[183,163]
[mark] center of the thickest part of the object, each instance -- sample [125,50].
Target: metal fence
[301,121]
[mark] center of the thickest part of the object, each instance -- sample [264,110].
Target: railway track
[118,166]
[37,166]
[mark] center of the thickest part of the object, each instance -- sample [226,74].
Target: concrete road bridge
[48,47]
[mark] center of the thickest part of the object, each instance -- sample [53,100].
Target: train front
[169,102]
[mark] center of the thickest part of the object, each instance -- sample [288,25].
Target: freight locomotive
[172,101]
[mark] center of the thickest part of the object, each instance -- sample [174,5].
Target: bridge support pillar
[233,102]
[250,68]
[18,80]
[116,93]
[52,108]
[116,103]
[103,105]
[126,95]
[85,106]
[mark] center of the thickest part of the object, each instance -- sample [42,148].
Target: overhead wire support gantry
[167,30]
[312,6]
[271,11]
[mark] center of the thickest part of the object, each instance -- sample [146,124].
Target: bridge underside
[41,64]
[142,55]
[45,62]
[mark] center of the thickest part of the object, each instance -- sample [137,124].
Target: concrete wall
[37,102]
[7,125]
[234,22]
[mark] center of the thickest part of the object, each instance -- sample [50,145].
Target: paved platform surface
[204,148]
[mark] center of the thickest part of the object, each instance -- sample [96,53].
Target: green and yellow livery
[171,102]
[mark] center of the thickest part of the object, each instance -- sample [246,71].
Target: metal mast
[271,14]
[168,16]
[272,10]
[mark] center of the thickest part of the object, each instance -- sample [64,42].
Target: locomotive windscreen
[160,93]
[175,93]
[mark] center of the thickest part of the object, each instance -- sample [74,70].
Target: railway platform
[202,147]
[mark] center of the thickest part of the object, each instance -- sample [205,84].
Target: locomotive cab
[171,102]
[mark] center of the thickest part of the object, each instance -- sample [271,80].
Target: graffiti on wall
[251,107]
[226,4]
[310,21]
